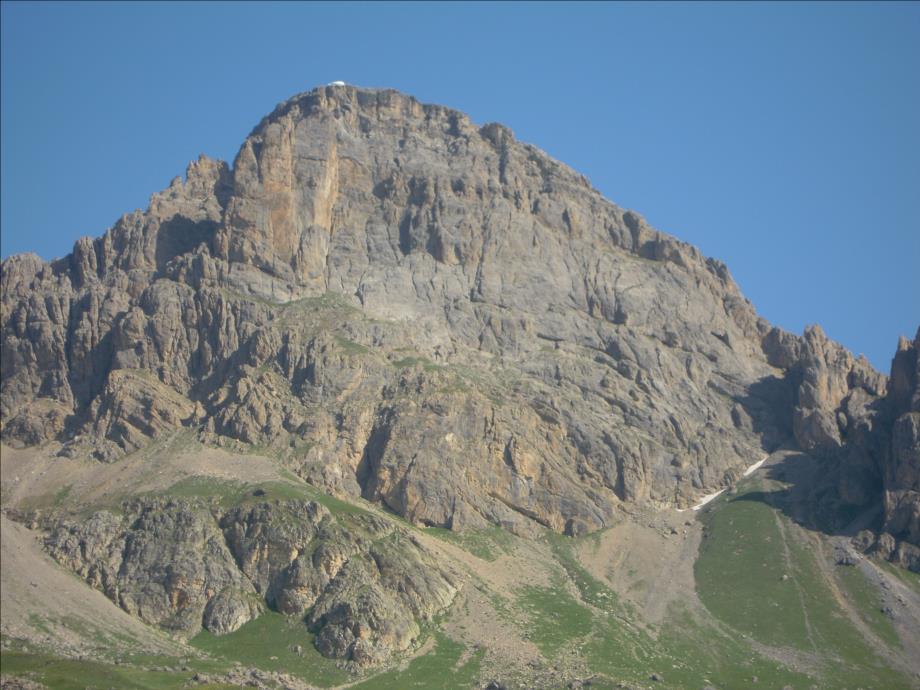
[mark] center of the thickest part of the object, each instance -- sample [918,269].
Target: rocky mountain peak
[431,314]
[382,309]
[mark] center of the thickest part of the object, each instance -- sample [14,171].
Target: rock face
[424,312]
[901,472]
[182,566]
[162,561]
[868,428]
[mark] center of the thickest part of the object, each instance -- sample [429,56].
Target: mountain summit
[402,306]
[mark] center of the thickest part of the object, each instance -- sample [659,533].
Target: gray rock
[886,437]
[440,318]
[367,585]
[229,610]
[173,319]
[163,561]
[844,556]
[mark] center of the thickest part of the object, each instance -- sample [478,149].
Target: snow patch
[753,468]
[707,498]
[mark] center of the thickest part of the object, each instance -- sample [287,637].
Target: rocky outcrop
[866,426]
[163,561]
[901,474]
[831,387]
[366,585]
[873,445]
[59,317]
[427,313]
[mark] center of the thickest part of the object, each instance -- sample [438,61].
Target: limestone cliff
[430,314]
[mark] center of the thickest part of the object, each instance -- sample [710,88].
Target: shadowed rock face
[866,427]
[901,471]
[427,313]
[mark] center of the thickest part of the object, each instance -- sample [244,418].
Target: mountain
[385,332]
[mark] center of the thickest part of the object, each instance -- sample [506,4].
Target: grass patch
[591,590]
[600,629]
[407,362]
[758,574]
[444,668]
[487,544]
[695,655]
[850,659]
[61,496]
[554,617]
[686,654]
[868,600]
[328,301]
[350,346]
[908,577]
[37,622]
[269,643]
[739,575]
[229,494]
[337,506]
[68,674]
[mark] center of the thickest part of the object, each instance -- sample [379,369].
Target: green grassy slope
[771,611]
[273,642]
[758,574]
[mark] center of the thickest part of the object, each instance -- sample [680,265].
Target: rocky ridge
[439,318]
[900,459]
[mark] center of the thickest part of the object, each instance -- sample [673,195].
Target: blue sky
[781,138]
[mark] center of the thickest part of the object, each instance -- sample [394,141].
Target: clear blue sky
[781,138]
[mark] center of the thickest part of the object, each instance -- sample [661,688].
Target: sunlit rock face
[406,306]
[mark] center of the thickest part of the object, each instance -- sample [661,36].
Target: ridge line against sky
[779,138]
